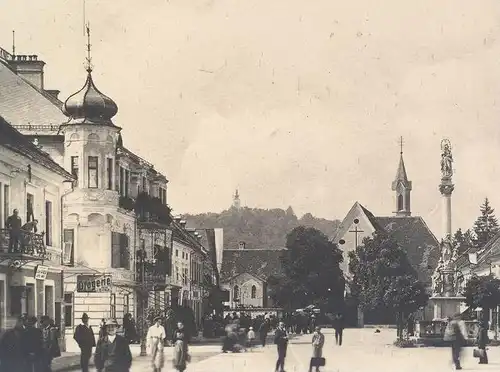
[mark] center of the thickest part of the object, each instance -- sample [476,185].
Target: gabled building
[245,274]
[410,232]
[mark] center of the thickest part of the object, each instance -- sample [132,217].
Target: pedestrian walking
[455,334]
[281,341]
[33,344]
[50,344]
[12,348]
[112,353]
[482,341]
[318,341]
[84,337]
[180,341]
[263,331]
[251,338]
[339,328]
[155,340]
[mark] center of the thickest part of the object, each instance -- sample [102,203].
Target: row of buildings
[100,238]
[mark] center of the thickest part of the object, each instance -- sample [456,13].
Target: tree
[486,225]
[311,272]
[484,292]
[405,296]
[462,241]
[383,279]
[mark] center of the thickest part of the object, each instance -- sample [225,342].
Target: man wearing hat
[84,336]
[112,353]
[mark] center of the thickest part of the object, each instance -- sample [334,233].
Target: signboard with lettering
[41,272]
[93,283]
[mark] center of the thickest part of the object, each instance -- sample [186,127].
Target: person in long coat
[112,353]
[482,341]
[180,340]
[84,337]
[12,348]
[318,341]
[281,341]
[155,339]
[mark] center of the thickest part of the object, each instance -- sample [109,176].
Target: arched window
[254,291]
[236,293]
[400,203]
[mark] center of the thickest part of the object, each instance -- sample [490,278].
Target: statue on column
[446,159]
[437,278]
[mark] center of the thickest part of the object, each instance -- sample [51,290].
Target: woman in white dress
[155,339]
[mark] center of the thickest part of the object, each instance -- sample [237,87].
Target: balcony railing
[155,273]
[22,243]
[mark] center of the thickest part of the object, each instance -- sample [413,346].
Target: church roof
[414,236]
[21,103]
[261,263]
[13,140]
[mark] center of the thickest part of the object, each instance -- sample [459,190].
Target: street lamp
[141,257]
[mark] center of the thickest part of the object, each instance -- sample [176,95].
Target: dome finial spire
[88,59]
[401,145]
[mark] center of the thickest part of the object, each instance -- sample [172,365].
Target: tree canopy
[311,272]
[383,279]
[482,291]
[486,225]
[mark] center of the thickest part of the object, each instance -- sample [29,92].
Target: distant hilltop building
[236,200]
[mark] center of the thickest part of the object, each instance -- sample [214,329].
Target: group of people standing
[30,346]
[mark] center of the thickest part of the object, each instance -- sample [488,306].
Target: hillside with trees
[259,228]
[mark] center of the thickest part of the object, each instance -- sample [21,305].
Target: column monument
[445,286]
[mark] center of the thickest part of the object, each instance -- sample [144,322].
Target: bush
[404,343]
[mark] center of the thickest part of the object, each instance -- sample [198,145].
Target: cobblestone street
[363,350]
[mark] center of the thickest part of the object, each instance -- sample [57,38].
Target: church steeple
[402,187]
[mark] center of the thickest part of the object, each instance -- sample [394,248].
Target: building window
[144,184]
[254,292]
[69,244]
[93,172]
[120,255]
[126,304]
[109,171]
[49,301]
[68,309]
[177,274]
[30,202]
[185,277]
[48,222]
[127,180]
[163,195]
[400,203]
[74,169]
[236,293]
[6,199]
[122,182]
[176,253]
[112,306]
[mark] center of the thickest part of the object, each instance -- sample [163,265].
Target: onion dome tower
[90,136]
[89,105]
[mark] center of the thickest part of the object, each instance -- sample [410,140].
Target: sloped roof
[21,103]
[261,263]
[420,244]
[16,142]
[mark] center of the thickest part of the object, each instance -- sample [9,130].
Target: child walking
[250,338]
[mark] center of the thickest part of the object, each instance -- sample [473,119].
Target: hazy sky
[294,102]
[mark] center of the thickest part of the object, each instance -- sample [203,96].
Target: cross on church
[401,144]
[356,231]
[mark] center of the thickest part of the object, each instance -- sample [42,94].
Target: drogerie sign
[93,283]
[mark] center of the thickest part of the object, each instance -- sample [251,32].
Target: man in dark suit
[84,336]
[339,328]
[281,341]
[112,352]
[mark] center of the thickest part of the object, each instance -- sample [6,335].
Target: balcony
[151,212]
[28,245]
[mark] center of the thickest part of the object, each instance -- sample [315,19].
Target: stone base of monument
[446,306]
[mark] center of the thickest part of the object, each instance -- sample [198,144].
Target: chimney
[29,68]
[241,245]
[183,224]
[53,92]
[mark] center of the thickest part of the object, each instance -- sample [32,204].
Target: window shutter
[124,252]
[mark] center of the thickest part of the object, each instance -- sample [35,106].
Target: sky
[295,103]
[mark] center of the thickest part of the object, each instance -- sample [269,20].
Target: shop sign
[93,283]
[41,272]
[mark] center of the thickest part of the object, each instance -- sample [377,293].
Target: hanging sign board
[93,283]
[41,272]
